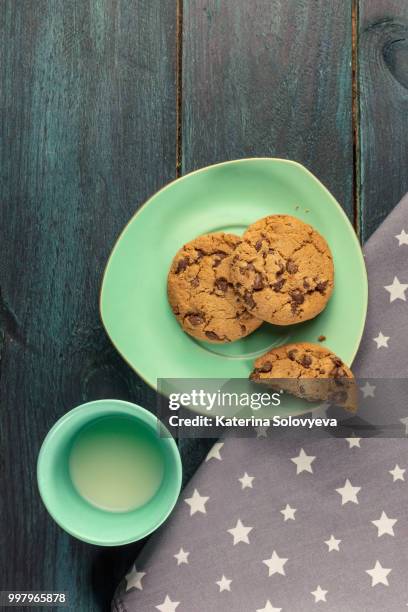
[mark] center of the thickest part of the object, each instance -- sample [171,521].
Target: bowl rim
[135,410]
[203,169]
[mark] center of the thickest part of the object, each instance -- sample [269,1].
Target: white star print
[215,452]
[240,532]
[269,608]
[197,503]
[261,431]
[404,421]
[368,390]
[385,525]
[381,340]
[353,441]
[288,513]
[348,493]
[246,481]
[319,594]
[332,543]
[303,462]
[275,564]
[168,605]
[378,574]
[397,473]
[224,584]
[182,556]
[402,239]
[134,579]
[396,290]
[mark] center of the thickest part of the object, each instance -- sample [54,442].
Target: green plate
[224,197]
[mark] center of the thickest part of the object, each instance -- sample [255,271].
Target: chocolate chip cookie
[283,270]
[201,293]
[307,370]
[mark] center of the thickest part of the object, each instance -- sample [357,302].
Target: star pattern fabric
[236,518]
[332,543]
[224,584]
[381,340]
[288,513]
[240,533]
[134,579]
[181,556]
[197,503]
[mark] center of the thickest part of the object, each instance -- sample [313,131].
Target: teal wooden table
[103,102]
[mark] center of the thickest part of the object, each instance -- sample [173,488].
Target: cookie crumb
[321,338]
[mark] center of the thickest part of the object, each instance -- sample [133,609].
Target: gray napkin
[281,525]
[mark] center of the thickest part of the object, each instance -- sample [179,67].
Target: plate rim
[203,169]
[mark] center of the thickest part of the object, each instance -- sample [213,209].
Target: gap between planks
[355,116]
[179,87]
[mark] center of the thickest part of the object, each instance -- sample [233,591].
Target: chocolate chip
[258,245]
[235,258]
[254,375]
[219,256]
[297,296]
[243,329]
[200,254]
[306,284]
[339,372]
[292,354]
[195,319]
[221,284]
[182,265]
[281,269]
[212,335]
[278,285]
[249,300]
[337,361]
[258,282]
[291,267]
[195,282]
[306,361]
[321,338]
[322,286]
[265,367]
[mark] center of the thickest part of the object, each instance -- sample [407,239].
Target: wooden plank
[270,78]
[383,85]
[88,131]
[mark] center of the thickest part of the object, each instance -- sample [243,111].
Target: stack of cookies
[222,287]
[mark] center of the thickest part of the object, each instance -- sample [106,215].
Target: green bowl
[76,515]
[225,197]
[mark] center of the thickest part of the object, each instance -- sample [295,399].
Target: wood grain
[87,133]
[383,87]
[270,78]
